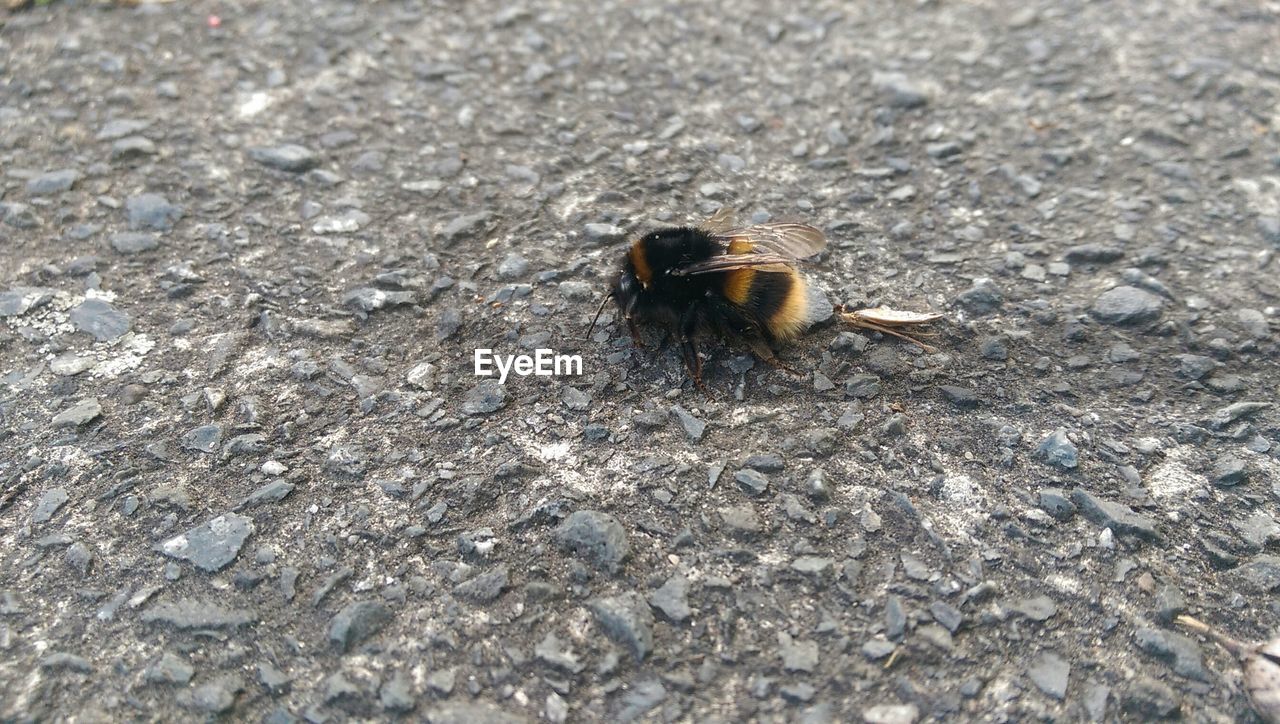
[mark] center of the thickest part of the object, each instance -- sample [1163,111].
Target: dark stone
[895,618]
[851,342]
[741,520]
[205,438]
[464,227]
[369,299]
[1056,503]
[336,687]
[81,413]
[134,242]
[944,149]
[100,319]
[627,620]
[1050,673]
[981,298]
[1036,608]
[1127,305]
[596,536]
[899,91]
[79,558]
[49,504]
[1058,450]
[120,127]
[1228,470]
[1195,366]
[20,300]
[948,616]
[1229,415]
[753,482]
[693,427]
[273,679]
[63,661]
[287,157]
[962,397]
[994,348]
[1121,519]
[53,182]
[486,397]
[1260,575]
[483,588]
[132,147]
[1093,252]
[212,545]
[672,599]
[862,386]
[643,697]
[513,266]
[213,697]
[797,655]
[1181,652]
[1169,602]
[449,323]
[272,492]
[553,652]
[19,216]
[1148,698]
[603,233]
[1269,228]
[356,622]
[472,712]
[397,693]
[151,212]
[170,669]
[190,613]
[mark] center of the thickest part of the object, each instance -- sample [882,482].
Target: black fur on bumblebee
[737,282]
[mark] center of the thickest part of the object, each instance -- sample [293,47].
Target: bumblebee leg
[745,331]
[689,346]
[635,333]
[693,362]
[666,340]
[762,351]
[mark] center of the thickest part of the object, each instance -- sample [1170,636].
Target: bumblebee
[739,283]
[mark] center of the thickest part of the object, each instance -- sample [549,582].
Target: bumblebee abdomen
[780,303]
[795,310]
[737,286]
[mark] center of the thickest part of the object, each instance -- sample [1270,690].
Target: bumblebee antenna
[603,302]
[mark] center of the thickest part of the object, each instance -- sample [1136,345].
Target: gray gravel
[246,470]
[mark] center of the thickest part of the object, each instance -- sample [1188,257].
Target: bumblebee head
[628,286]
[625,291]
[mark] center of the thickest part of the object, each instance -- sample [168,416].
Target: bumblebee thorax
[653,255]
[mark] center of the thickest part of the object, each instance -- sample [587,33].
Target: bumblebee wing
[720,222]
[764,247]
[795,241]
[765,261]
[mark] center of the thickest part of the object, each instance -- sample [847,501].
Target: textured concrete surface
[247,250]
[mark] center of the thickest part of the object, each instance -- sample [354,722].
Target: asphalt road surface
[248,251]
